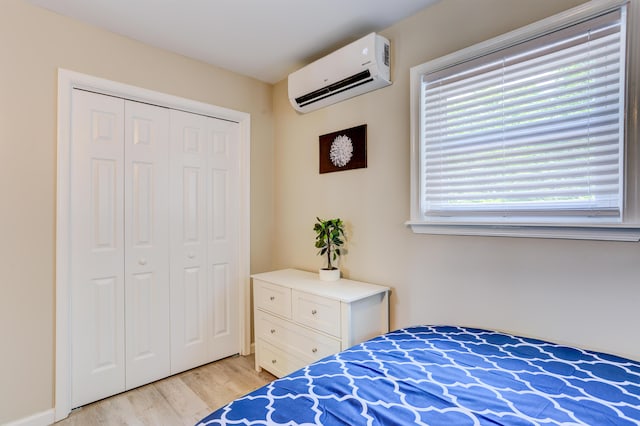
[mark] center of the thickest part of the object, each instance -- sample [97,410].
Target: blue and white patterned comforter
[448,376]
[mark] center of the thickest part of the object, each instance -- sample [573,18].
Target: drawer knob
[273,361]
[313,312]
[273,330]
[314,350]
[272,298]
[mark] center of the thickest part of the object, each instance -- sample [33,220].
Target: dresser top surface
[343,289]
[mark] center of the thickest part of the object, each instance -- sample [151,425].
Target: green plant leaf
[330,236]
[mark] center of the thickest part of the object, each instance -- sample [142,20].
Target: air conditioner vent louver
[335,88]
[357,68]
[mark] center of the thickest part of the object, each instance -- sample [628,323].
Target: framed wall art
[344,150]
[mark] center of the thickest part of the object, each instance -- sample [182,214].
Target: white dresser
[299,319]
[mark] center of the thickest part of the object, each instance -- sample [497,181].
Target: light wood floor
[182,399]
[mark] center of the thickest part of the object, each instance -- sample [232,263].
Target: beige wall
[579,292]
[34,43]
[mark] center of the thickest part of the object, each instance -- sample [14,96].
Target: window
[525,134]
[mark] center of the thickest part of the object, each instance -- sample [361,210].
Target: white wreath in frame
[341,151]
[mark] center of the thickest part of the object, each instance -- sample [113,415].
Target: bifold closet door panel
[146,225]
[223,237]
[97,247]
[188,211]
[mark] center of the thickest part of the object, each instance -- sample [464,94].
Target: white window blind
[534,130]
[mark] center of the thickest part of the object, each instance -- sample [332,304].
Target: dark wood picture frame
[356,137]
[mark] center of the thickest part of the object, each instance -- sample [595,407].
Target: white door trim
[67,81]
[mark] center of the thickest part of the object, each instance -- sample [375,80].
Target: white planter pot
[329,274]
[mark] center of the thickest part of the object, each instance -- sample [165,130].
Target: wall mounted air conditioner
[357,68]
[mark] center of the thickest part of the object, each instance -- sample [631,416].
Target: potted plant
[329,238]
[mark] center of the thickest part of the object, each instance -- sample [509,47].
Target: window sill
[602,233]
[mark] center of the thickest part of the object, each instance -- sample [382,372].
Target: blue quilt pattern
[440,375]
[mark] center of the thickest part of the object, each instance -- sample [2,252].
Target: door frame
[67,82]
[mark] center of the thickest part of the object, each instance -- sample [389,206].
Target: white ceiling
[264,39]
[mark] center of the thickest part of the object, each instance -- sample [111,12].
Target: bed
[443,375]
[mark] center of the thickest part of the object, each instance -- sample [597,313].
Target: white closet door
[146,220]
[222,248]
[188,240]
[97,247]
[154,243]
[204,237]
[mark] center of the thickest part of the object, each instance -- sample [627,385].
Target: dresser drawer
[272,298]
[317,312]
[305,343]
[275,360]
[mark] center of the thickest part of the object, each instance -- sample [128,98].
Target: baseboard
[44,418]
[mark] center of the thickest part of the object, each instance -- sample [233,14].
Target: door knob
[142,261]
